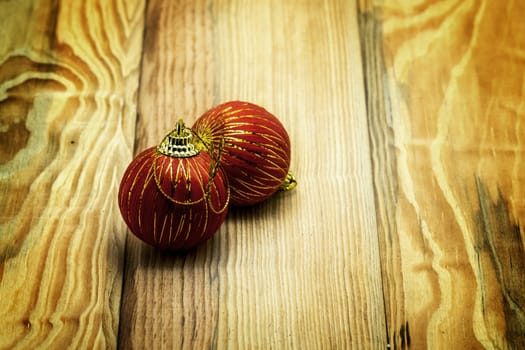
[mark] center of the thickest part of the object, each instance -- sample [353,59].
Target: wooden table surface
[407,122]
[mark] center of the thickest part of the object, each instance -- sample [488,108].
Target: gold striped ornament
[173,196]
[255,149]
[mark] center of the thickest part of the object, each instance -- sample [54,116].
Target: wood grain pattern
[445,102]
[407,126]
[301,270]
[68,80]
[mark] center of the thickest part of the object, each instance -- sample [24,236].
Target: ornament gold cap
[289,182]
[178,143]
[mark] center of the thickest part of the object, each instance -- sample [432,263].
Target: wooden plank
[68,81]
[445,103]
[301,270]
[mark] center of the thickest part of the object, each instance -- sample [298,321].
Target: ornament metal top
[178,143]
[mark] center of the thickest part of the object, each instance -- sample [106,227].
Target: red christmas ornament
[173,196]
[255,149]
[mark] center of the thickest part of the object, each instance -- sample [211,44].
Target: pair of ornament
[176,195]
